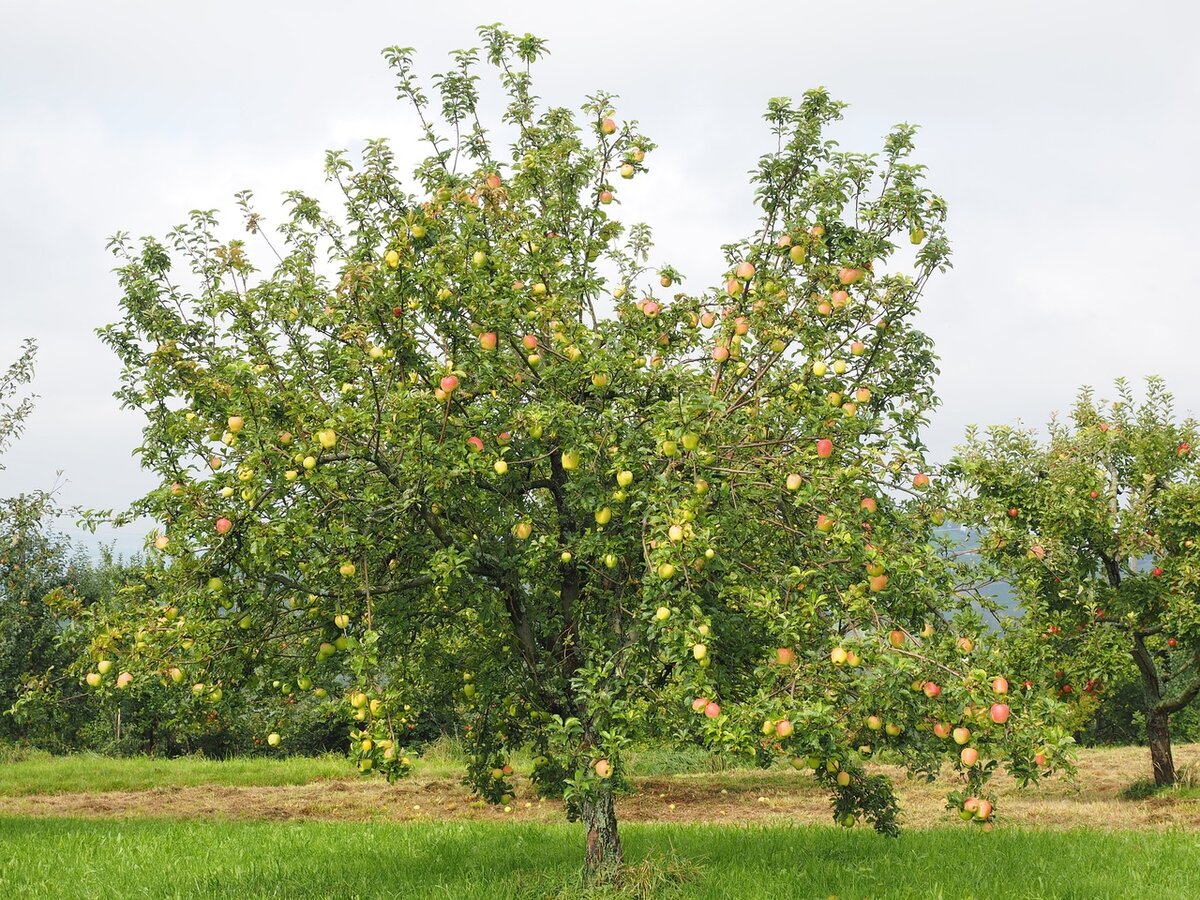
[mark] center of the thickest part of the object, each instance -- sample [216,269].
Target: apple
[849,275]
[662,614]
[1000,713]
[843,779]
[273,739]
[1039,759]
[878,583]
[720,353]
[223,525]
[236,424]
[608,126]
[824,448]
[606,197]
[785,728]
[666,571]
[487,340]
[699,651]
[892,729]
[176,675]
[927,630]
[941,729]
[1156,572]
[599,380]
[604,768]
[565,557]
[610,560]
[853,659]
[920,481]
[690,440]
[1013,512]
[523,530]
[475,443]
[699,703]
[712,710]
[310,462]
[838,656]
[969,756]
[675,534]
[874,723]
[449,383]
[624,478]
[124,680]
[896,637]
[1172,643]
[342,621]
[961,735]
[824,523]
[785,656]
[819,369]
[327,438]
[93,679]
[984,811]
[869,504]
[932,690]
[1000,685]
[500,466]
[603,515]
[627,171]
[347,569]
[794,481]
[570,460]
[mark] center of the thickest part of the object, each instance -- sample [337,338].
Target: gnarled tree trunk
[602,849]
[1159,732]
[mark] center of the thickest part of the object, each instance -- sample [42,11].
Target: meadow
[693,826]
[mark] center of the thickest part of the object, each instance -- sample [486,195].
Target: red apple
[449,383]
[785,656]
[699,703]
[1000,713]
[896,637]
[712,710]
[824,448]
[942,729]
[1000,685]
[223,525]
[969,756]
[932,690]
[487,340]
[869,504]
[1156,572]
[920,481]
[475,443]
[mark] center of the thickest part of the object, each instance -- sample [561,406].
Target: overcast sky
[1064,136]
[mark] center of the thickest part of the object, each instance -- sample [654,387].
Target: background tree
[470,443]
[1096,530]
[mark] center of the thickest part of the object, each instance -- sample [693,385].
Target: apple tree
[463,432]
[1096,529]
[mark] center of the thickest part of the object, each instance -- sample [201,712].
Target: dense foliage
[1096,529]
[463,443]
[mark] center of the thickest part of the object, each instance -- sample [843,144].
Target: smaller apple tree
[1097,530]
[467,441]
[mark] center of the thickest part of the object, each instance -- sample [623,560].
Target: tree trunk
[602,859]
[1159,732]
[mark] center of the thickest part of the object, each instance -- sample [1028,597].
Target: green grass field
[63,859]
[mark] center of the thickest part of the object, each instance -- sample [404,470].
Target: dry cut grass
[775,797]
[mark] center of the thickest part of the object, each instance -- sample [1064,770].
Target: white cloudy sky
[1063,134]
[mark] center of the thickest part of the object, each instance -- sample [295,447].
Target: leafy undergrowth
[68,859]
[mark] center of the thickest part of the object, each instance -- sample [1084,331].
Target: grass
[66,859]
[41,773]
[37,772]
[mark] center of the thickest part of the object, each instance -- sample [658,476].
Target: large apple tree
[466,434]
[1097,530]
